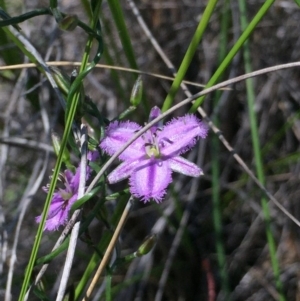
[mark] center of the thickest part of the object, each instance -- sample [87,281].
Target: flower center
[151,146]
[66,195]
[152,151]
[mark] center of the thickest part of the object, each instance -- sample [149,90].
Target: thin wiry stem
[185,217]
[75,230]
[177,239]
[77,64]
[109,249]
[213,127]
[26,143]
[156,45]
[32,187]
[203,113]
[60,240]
[3,158]
[39,61]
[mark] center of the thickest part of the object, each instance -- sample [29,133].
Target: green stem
[72,102]
[237,46]
[189,54]
[258,155]
[215,151]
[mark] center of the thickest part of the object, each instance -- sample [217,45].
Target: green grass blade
[73,98]
[237,46]
[257,153]
[119,20]
[215,153]
[112,57]
[118,16]
[189,54]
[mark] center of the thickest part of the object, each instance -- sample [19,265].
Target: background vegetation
[217,237]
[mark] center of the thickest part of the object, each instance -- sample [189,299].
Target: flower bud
[137,92]
[56,145]
[146,246]
[61,79]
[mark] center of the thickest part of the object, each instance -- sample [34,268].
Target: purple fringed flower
[64,198]
[150,160]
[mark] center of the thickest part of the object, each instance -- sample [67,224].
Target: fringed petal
[123,171]
[185,167]
[117,134]
[180,134]
[150,180]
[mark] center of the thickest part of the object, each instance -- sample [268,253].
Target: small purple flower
[64,198]
[149,161]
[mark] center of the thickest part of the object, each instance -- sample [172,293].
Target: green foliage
[203,226]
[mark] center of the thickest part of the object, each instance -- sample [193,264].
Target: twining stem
[109,250]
